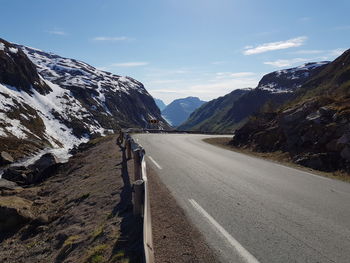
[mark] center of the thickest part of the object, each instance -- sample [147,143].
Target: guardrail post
[138,197]
[128,149]
[137,165]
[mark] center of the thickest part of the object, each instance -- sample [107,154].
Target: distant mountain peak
[180,109]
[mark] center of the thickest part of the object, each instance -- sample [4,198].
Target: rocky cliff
[313,128]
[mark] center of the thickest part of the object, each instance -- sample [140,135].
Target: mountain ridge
[178,110]
[273,90]
[51,102]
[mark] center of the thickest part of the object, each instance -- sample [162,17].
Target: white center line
[243,253]
[155,163]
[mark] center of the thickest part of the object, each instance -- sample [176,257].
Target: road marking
[155,163]
[243,253]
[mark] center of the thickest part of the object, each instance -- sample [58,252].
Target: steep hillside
[161,105]
[273,90]
[209,116]
[179,110]
[314,127]
[47,101]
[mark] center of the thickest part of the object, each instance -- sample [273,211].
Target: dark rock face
[179,110]
[314,129]
[18,71]
[34,173]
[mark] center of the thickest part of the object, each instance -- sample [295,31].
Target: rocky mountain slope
[51,102]
[179,110]
[209,116]
[161,105]
[272,91]
[313,128]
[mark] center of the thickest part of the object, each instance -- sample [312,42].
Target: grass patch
[97,254]
[98,232]
[70,240]
[120,257]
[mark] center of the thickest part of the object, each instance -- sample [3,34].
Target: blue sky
[179,48]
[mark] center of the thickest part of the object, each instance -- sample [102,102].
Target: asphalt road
[249,209]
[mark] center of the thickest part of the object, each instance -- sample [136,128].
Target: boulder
[5,158]
[345,153]
[344,139]
[314,117]
[7,185]
[44,162]
[318,161]
[14,212]
[17,174]
[34,173]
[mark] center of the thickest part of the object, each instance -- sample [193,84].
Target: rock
[344,139]
[43,219]
[34,173]
[327,112]
[5,158]
[14,212]
[319,161]
[345,153]
[44,162]
[292,116]
[8,185]
[18,174]
[314,117]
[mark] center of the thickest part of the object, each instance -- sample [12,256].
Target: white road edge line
[155,163]
[243,253]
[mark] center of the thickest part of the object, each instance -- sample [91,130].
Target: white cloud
[218,62]
[130,64]
[112,39]
[294,42]
[57,32]
[206,89]
[231,75]
[280,63]
[336,52]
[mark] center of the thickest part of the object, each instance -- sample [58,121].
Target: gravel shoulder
[175,238]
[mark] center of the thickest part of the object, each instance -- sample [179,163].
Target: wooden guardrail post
[138,197]
[128,149]
[137,165]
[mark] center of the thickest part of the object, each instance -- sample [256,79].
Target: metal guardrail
[141,192]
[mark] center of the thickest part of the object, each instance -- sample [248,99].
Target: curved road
[249,209]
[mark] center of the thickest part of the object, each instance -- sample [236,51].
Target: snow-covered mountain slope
[47,101]
[288,80]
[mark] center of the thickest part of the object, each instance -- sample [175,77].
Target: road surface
[249,209]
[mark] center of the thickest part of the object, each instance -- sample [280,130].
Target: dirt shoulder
[278,157]
[175,238]
[83,213]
